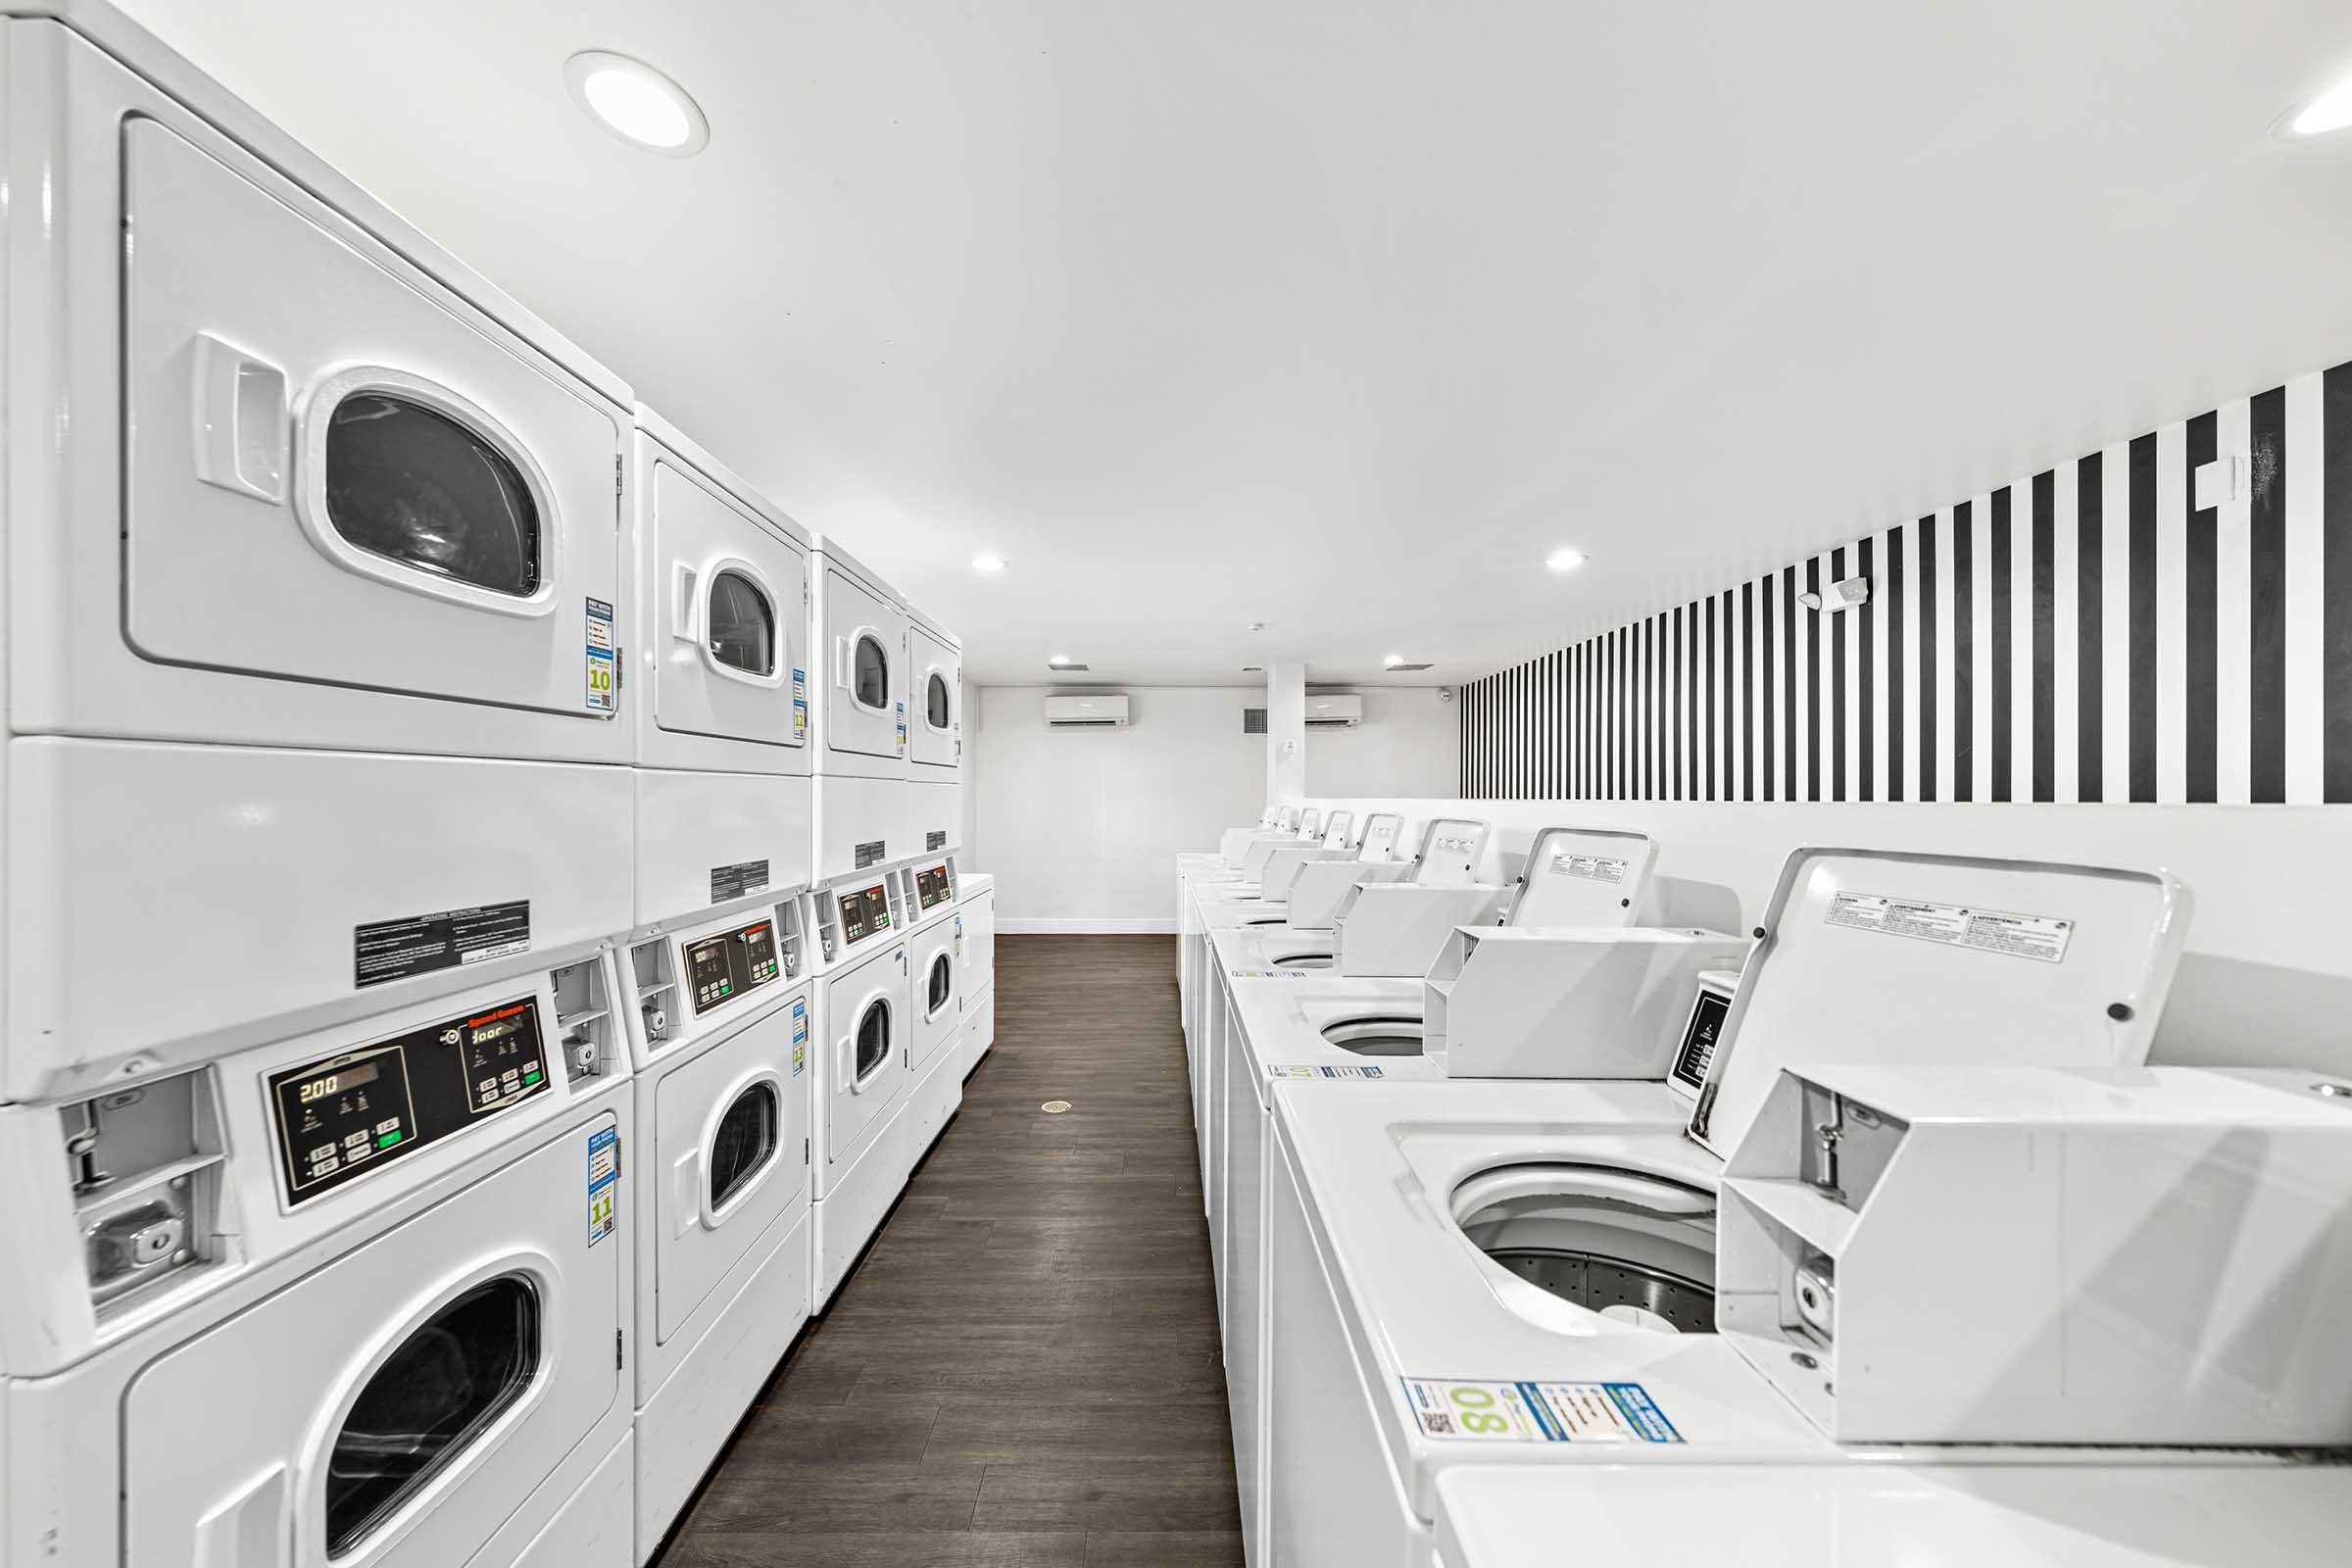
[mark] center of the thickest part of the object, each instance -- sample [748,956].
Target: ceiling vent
[1254,722]
[1402,670]
[1105,710]
[1068,669]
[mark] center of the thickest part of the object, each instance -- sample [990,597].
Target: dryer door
[865,646]
[938,997]
[728,1133]
[866,1015]
[979,918]
[333,477]
[937,731]
[396,1406]
[728,599]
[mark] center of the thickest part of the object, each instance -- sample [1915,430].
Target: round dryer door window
[411,484]
[744,1143]
[741,625]
[873,1039]
[940,988]
[435,1396]
[935,701]
[872,673]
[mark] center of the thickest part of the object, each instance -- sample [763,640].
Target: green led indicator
[387,1140]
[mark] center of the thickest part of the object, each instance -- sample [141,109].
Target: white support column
[1286,733]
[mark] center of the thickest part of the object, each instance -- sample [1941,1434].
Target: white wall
[1078,825]
[2267,976]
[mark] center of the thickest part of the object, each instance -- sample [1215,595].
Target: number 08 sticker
[1485,1410]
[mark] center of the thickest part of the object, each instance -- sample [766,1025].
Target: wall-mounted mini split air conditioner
[1105,710]
[1340,708]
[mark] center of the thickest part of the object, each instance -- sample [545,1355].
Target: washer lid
[1870,955]
[1580,876]
[1449,851]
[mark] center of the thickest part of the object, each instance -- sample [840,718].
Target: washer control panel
[934,886]
[721,967]
[342,1116]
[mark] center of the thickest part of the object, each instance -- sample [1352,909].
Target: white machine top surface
[1918,1516]
[971,884]
[1420,1302]
[1872,956]
[1243,952]
[1219,911]
[1283,1022]
[1578,876]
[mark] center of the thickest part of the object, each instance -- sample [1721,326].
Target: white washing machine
[1436,1249]
[864,1037]
[722,1020]
[2111,1514]
[323,486]
[360,1297]
[860,713]
[976,918]
[719,579]
[934,738]
[325,495]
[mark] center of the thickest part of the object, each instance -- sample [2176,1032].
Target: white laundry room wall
[1079,826]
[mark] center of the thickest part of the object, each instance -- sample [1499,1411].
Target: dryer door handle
[686,623]
[241,431]
[686,1191]
[248,1531]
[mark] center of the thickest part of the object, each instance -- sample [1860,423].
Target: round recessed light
[1564,560]
[637,103]
[1392,661]
[988,562]
[2329,111]
[1058,659]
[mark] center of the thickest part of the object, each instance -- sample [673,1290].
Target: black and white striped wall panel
[2082,635]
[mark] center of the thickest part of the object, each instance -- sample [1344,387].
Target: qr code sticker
[1437,1423]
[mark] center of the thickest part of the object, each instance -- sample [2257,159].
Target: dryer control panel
[341,1116]
[719,969]
[865,912]
[934,886]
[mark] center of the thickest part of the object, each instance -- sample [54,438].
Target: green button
[532,1077]
[387,1140]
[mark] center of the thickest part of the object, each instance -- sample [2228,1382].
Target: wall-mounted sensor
[1837,596]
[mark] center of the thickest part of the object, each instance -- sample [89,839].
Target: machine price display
[1486,1410]
[932,887]
[864,913]
[719,969]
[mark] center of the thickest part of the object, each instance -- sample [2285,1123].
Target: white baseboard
[1085,925]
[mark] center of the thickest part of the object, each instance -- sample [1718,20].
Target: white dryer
[865,1041]
[327,495]
[720,1019]
[935,738]
[936,1057]
[859,710]
[976,942]
[360,1297]
[720,580]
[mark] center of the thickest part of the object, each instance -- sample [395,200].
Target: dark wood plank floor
[1024,1369]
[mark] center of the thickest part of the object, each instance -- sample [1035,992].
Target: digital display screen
[719,969]
[932,887]
[864,913]
[334,1082]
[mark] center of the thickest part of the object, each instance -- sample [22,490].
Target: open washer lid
[1449,853]
[1581,876]
[1870,955]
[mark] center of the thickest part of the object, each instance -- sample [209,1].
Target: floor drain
[1054,1107]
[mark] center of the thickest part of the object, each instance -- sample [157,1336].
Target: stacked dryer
[716,963]
[314,1095]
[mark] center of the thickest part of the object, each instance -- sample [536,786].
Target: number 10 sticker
[1494,1411]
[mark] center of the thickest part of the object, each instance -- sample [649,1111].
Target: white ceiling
[1340,316]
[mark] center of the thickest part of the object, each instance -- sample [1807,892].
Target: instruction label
[1591,868]
[934,841]
[901,730]
[1318,1070]
[2020,936]
[602,689]
[1485,1410]
[603,1182]
[1270,974]
[734,881]
[800,705]
[800,1036]
[870,853]
[400,950]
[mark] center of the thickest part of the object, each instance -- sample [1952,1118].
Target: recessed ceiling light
[1564,560]
[2329,111]
[1058,659]
[1392,661]
[637,103]
[988,562]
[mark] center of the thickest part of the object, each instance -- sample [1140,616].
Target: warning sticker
[1591,868]
[400,950]
[800,703]
[901,730]
[800,1036]
[934,841]
[603,1182]
[2020,936]
[601,687]
[1485,1410]
[870,852]
[734,881]
[1316,1070]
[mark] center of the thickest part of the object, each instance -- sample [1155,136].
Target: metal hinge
[805,1156]
[616,483]
[618,1361]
